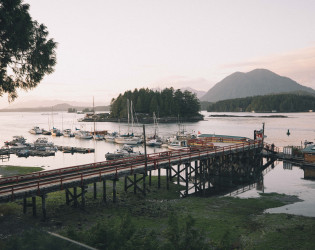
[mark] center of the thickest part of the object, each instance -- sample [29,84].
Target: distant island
[58,107]
[251,116]
[168,105]
[267,103]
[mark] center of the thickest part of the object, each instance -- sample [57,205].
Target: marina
[276,129]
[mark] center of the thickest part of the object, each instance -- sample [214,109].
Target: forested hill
[254,83]
[267,103]
[165,103]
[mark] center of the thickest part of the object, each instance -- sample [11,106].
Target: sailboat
[97,135]
[128,139]
[155,140]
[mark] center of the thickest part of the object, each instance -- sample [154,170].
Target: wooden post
[135,183]
[67,196]
[114,190]
[150,174]
[196,173]
[126,179]
[186,178]
[75,199]
[159,178]
[167,179]
[95,191]
[204,178]
[104,191]
[83,196]
[144,175]
[34,205]
[178,169]
[24,205]
[44,206]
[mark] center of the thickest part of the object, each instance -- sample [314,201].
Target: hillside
[266,103]
[253,83]
[57,107]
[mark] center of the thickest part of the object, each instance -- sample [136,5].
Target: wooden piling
[104,191]
[159,178]
[114,190]
[143,182]
[34,205]
[44,206]
[75,199]
[83,196]
[24,205]
[95,190]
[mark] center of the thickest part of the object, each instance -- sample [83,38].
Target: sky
[107,47]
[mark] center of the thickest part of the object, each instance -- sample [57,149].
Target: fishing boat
[128,139]
[46,132]
[56,132]
[154,143]
[80,134]
[35,130]
[16,139]
[43,142]
[178,144]
[124,152]
[67,133]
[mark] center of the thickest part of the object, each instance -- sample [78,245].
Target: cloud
[298,65]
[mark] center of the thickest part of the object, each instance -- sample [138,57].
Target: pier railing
[59,177]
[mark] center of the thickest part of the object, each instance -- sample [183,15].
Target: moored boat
[67,133]
[56,132]
[80,134]
[35,130]
[178,144]
[124,152]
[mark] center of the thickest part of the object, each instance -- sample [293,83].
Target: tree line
[167,102]
[266,103]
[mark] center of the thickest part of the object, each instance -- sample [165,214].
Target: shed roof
[309,149]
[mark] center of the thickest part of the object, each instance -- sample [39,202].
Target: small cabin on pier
[309,153]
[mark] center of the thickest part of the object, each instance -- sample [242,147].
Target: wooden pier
[200,169]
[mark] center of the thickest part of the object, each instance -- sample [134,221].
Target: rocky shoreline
[145,119]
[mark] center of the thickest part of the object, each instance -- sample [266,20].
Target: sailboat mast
[94,115]
[131,116]
[128,113]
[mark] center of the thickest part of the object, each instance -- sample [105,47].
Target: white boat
[178,144]
[35,130]
[98,137]
[43,142]
[80,134]
[130,140]
[68,133]
[16,138]
[124,152]
[111,137]
[154,143]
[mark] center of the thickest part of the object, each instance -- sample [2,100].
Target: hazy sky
[107,47]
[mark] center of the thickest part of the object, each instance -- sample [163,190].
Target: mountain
[199,93]
[253,83]
[57,107]
[49,103]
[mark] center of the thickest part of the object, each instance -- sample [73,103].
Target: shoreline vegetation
[159,220]
[251,116]
[282,103]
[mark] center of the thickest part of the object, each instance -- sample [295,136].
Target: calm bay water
[301,126]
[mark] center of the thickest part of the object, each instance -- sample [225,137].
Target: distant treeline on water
[266,103]
[167,102]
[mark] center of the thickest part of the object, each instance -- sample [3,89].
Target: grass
[17,170]
[222,222]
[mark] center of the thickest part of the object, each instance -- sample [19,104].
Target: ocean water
[279,179]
